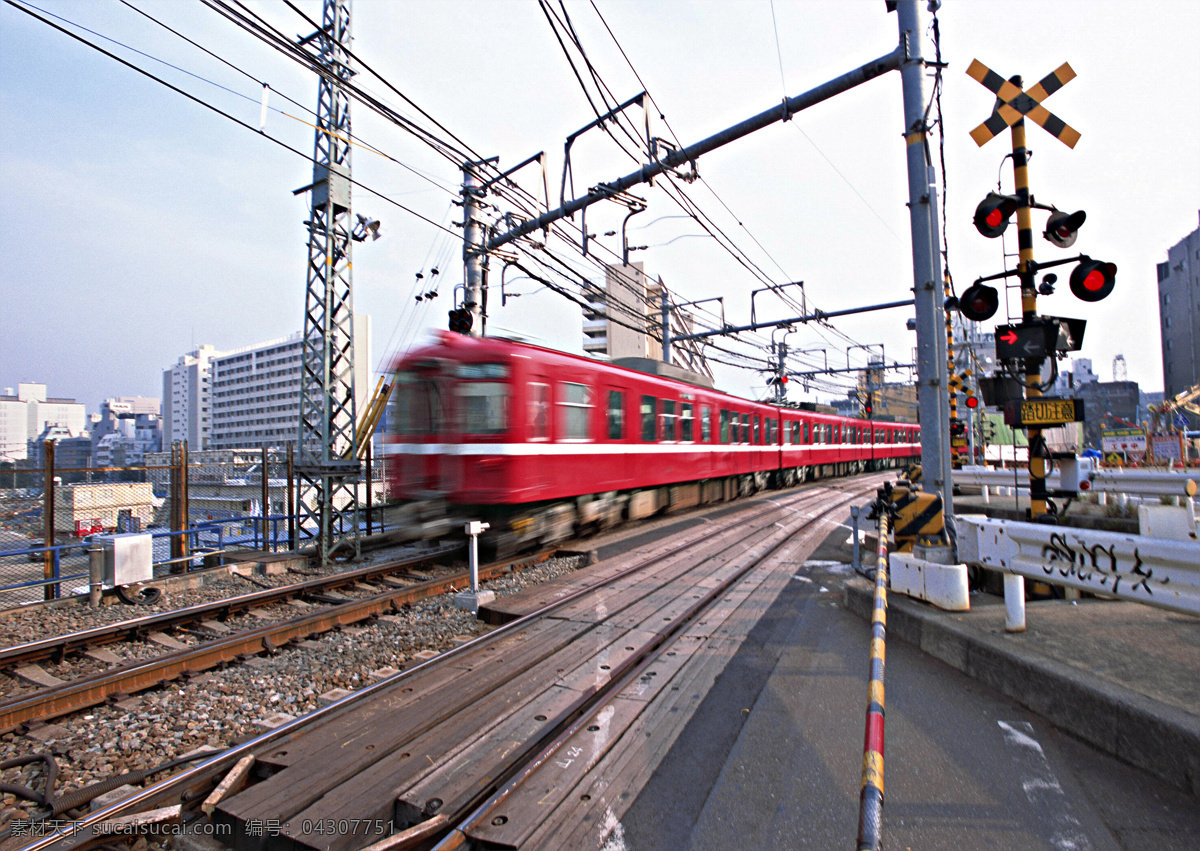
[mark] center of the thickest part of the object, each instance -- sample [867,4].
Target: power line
[215,109]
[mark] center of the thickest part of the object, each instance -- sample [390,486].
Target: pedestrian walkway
[1122,676]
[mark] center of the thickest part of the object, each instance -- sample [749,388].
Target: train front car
[448,427]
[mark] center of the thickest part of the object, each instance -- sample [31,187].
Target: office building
[26,414]
[1179,315]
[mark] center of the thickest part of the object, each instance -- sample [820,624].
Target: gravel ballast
[220,707]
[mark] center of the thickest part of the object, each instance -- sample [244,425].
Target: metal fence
[194,506]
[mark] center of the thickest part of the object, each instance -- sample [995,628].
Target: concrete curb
[1146,733]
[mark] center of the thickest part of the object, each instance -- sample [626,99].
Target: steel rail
[137,676]
[483,814]
[192,784]
[58,646]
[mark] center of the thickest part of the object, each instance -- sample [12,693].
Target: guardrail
[1155,571]
[1136,482]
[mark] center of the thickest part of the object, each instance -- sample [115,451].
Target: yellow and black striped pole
[955,460]
[870,805]
[1025,268]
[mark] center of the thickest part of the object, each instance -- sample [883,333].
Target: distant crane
[1188,400]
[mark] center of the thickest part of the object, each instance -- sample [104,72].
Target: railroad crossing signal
[979,302]
[1016,103]
[994,212]
[1063,228]
[461,320]
[1093,280]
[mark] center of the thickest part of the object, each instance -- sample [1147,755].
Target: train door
[420,424]
[538,404]
[619,422]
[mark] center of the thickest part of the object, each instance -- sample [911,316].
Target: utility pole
[933,405]
[474,254]
[327,469]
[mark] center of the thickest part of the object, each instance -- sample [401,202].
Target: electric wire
[214,109]
[762,276]
[358,141]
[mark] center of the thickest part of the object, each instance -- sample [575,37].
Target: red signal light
[1093,280]
[972,402]
[993,213]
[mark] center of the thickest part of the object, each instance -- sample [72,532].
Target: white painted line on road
[1042,788]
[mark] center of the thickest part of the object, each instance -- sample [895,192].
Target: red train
[542,444]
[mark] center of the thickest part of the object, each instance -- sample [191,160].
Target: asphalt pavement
[1081,733]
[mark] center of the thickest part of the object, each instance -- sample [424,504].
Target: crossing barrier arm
[870,807]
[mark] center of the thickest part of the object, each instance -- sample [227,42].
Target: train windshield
[417,406]
[483,394]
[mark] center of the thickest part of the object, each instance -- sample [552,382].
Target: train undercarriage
[514,528]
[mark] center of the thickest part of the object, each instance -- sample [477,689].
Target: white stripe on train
[584,448]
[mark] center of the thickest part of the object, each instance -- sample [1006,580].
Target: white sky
[139,224]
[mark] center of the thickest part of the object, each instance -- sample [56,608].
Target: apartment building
[255,390]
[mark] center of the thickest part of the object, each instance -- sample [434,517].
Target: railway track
[124,679]
[566,703]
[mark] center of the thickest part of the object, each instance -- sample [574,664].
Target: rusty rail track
[60,646]
[139,675]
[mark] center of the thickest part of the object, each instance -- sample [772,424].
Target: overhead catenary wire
[358,141]
[201,102]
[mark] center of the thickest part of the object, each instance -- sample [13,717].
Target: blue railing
[21,570]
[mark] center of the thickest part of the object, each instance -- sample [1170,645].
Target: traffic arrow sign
[1028,340]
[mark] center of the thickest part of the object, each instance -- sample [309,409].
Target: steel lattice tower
[329,482]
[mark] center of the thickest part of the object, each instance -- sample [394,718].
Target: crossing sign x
[1015,103]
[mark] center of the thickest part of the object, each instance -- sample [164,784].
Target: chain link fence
[196,506]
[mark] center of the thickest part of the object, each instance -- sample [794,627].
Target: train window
[476,371]
[668,420]
[616,414]
[539,411]
[724,428]
[770,431]
[649,412]
[705,424]
[417,405]
[757,430]
[686,423]
[745,435]
[575,410]
[484,406]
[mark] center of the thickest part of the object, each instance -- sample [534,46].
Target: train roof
[483,349]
